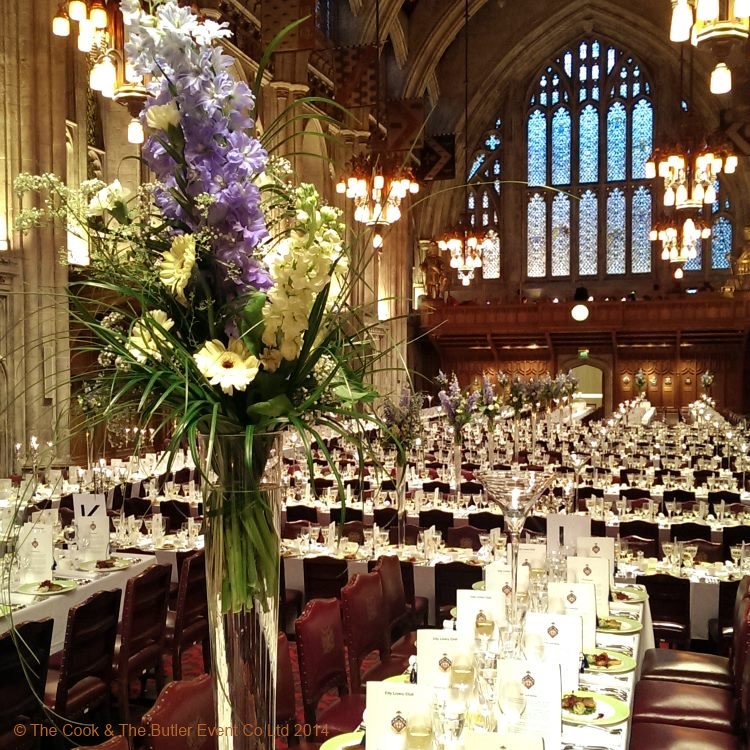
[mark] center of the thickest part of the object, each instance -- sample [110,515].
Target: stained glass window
[537,148]
[537,236]
[561,147]
[599,133]
[640,254]
[588,144]
[483,200]
[491,256]
[616,231]
[695,264]
[561,235]
[721,243]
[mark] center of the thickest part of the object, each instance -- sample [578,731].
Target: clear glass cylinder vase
[242,493]
[401,518]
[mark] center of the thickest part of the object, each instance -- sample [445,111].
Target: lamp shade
[741,8]
[98,15]
[77,10]
[721,79]
[135,131]
[682,22]
[707,10]
[61,25]
[579,312]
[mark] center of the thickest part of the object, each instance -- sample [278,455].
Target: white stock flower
[177,265]
[146,339]
[161,116]
[229,367]
[106,198]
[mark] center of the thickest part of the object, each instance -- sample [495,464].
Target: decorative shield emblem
[552,631]
[398,723]
[596,549]
[507,589]
[92,526]
[35,544]
[572,598]
[587,570]
[528,681]
[444,663]
[481,617]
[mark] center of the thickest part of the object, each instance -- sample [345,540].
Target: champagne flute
[512,701]
[419,732]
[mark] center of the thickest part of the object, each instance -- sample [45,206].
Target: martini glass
[577,461]
[516,494]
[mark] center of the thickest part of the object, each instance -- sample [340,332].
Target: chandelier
[465,247]
[464,242]
[717,25]
[101,37]
[690,169]
[377,183]
[680,238]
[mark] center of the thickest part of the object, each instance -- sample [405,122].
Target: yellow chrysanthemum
[177,265]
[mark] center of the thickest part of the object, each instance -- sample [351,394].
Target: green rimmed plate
[454,612]
[629,594]
[609,710]
[625,626]
[65,584]
[478,586]
[341,741]
[104,566]
[627,663]
[397,678]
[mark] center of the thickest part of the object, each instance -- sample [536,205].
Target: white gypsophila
[107,198]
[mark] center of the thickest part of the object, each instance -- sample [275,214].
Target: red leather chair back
[324,576]
[183,703]
[286,709]
[118,742]
[191,612]
[466,537]
[320,651]
[365,621]
[392,585]
[411,534]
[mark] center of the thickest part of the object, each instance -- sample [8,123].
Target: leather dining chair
[322,667]
[418,605]
[349,514]
[24,656]
[301,513]
[139,646]
[442,520]
[292,529]
[643,529]
[324,577]
[353,531]
[669,598]
[708,551]
[366,624]
[721,627]
[80,683]
[465,537]
[411,533]
[187,624]
[486,520]
[448,578]
[690,530]
[385,518]
[400,620]
[182,703]
[649,547]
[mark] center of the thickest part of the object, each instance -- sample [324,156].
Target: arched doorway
[594,382]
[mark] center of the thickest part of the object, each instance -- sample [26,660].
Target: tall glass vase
[491,443]
[516,494]
[241,482]
[401,467]
[457,469]
[532,423]
[516,426]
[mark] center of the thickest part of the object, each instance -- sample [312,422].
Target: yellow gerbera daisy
[177,265]
[229,367]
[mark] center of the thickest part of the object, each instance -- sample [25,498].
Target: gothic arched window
[714,253]
[589,133]
[483,198]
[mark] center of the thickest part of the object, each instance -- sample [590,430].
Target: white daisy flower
[229,367]
[177,265]
[146,340]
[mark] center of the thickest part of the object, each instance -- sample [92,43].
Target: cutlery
[617,647]
[605,690]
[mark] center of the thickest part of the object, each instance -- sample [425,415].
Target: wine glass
[689,551]
[462,672]
[511,700]
[419,732]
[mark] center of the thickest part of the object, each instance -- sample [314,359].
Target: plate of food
[586,707]
[478,586]
[49,587]
[618,624]
[341,741]
[102,566]
[609,662]
[629,594]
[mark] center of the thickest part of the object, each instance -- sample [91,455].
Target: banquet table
[58,605]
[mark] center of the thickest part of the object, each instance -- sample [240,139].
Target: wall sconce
[4,245]
[626,379]
[688,381]
[652,380]
[667,380]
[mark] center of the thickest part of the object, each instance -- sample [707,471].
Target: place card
[436,650]
[47,517]
[498,576]
[472,605]
[596,570]
[390,708]
[34,551]
[529,695]
[596,546]
[92,526]
[575,599]
[493,741]
[564,530]
[556,638]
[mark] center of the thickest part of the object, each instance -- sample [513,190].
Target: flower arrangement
[489,403]
[458,406]
[402,421]
[640,380]
[216,296]
[707,379]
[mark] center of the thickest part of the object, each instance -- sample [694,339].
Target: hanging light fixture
[691,165]
[680,237]
[464,242]
[377,181]
[101,37]
[718,25]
